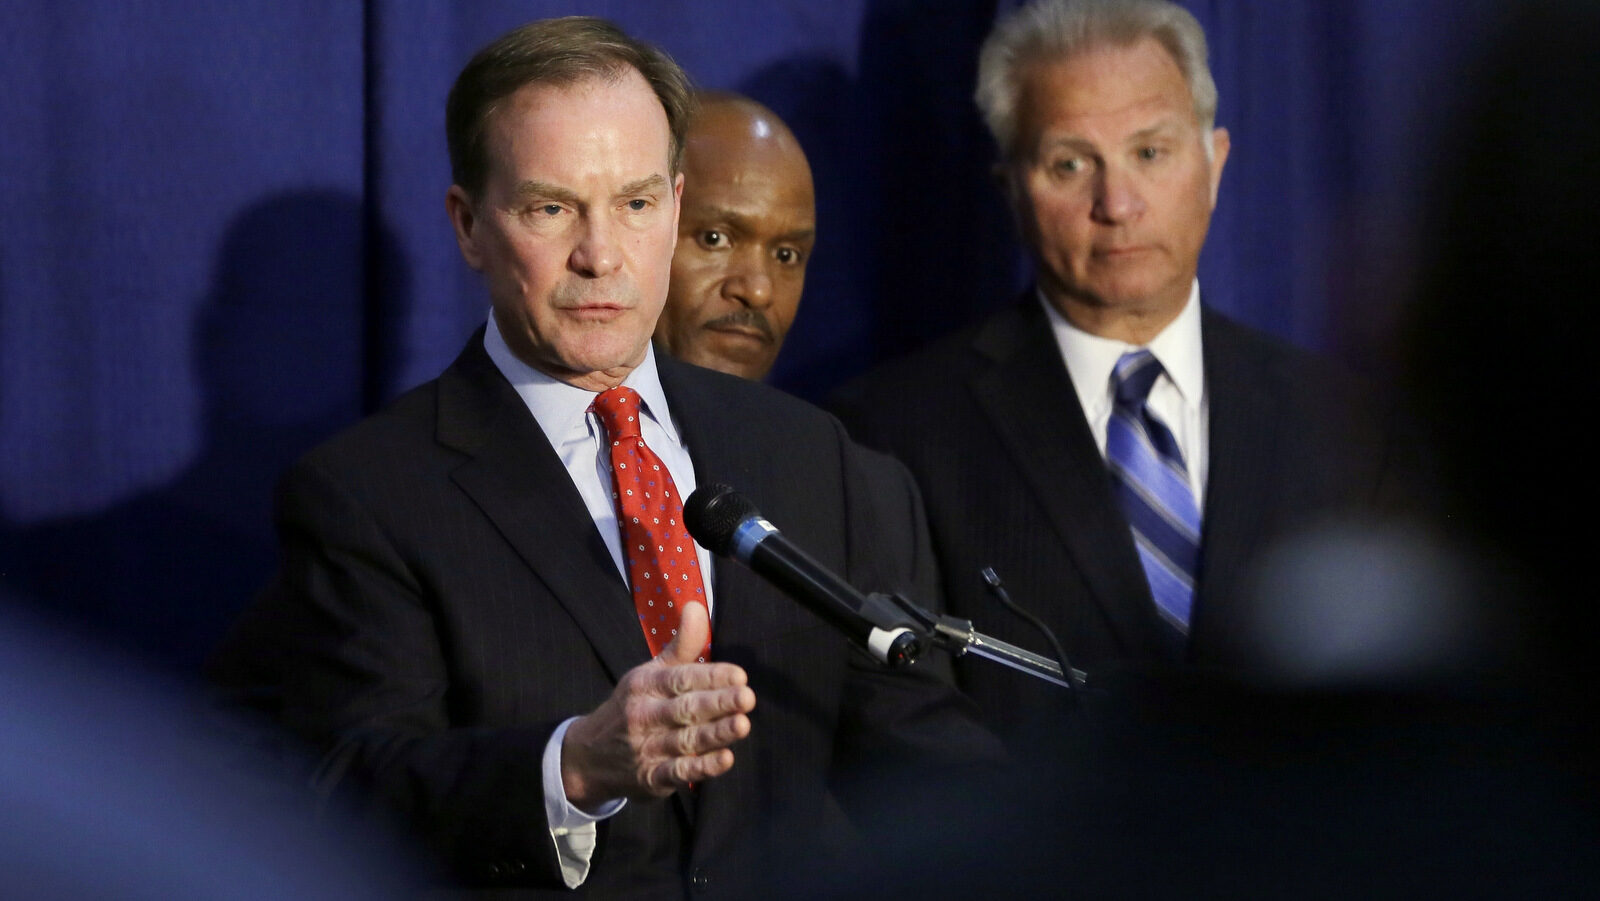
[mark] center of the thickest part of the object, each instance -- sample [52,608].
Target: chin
[721,365]
[749,371]
[603,356]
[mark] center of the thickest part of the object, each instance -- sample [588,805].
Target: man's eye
[637,204]
[788,255]
[1068,165]
[551,209]
[712,238]
[1149,153]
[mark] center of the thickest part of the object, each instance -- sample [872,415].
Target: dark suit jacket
[444,601]
[989,424]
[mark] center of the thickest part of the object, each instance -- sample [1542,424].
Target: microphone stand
[956,636]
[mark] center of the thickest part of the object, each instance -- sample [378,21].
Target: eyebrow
[643,186]
[1165,125]
[1077,142]
[1071,142]
[546,191]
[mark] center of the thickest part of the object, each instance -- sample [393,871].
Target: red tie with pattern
[662,563]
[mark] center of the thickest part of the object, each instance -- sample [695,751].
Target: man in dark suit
[1124,513]
[468,620]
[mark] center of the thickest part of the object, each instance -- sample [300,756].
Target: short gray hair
[1047,30]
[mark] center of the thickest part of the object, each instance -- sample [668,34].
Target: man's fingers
[692,708]
[696,739]
[662,728]
[680,772]
[707,766]
[694,630]
[676,679]
[704,706]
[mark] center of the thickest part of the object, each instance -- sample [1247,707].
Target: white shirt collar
[560,408]
[1090,358]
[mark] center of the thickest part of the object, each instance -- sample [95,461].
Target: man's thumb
[694,630]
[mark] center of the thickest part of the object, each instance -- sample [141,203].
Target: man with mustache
[1114,448]
[488,617]
[749,222]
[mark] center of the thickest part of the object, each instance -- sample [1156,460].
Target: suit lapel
[719,457]
[741,619]
[519,483]
[1052,445]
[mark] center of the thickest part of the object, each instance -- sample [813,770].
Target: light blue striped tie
[1153,488]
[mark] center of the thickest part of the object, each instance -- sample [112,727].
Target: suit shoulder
[932,363]
[741,400]
[931,372]
[924,389]
[1232,343]
[394,432]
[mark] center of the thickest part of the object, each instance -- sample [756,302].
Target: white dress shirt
[574,430]
[1178,398]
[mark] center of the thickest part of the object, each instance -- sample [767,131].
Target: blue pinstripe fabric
[1153,489]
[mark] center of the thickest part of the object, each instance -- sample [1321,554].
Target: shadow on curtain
[279,357]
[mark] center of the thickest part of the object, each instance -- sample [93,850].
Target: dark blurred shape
[1499,348]
[114,785]
[1352,606]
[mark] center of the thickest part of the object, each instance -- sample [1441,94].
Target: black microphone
[727,523]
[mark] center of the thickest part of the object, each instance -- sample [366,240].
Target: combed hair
[557,52]
[1047,30]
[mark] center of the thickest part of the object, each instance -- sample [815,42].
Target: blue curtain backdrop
[223,232]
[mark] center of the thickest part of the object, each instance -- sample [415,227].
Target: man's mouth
[599,309]
[1121,251]
[748,323]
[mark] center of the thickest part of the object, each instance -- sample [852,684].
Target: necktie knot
[619,412]
[1133,376]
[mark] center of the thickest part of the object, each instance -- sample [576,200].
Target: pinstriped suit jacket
[444,601]
[989,424]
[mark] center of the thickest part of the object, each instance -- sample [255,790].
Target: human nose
[1117,197]
[597,252]
[749,280]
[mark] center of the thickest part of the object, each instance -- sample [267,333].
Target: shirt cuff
[572,830]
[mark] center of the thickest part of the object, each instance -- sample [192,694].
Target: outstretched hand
[669,723]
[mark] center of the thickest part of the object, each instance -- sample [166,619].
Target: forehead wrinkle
[1064,87]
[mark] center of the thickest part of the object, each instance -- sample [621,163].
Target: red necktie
[663,567]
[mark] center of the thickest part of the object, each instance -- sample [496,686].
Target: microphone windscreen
[712,514]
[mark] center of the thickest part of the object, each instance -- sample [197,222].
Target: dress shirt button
[493,870]
[698,880]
